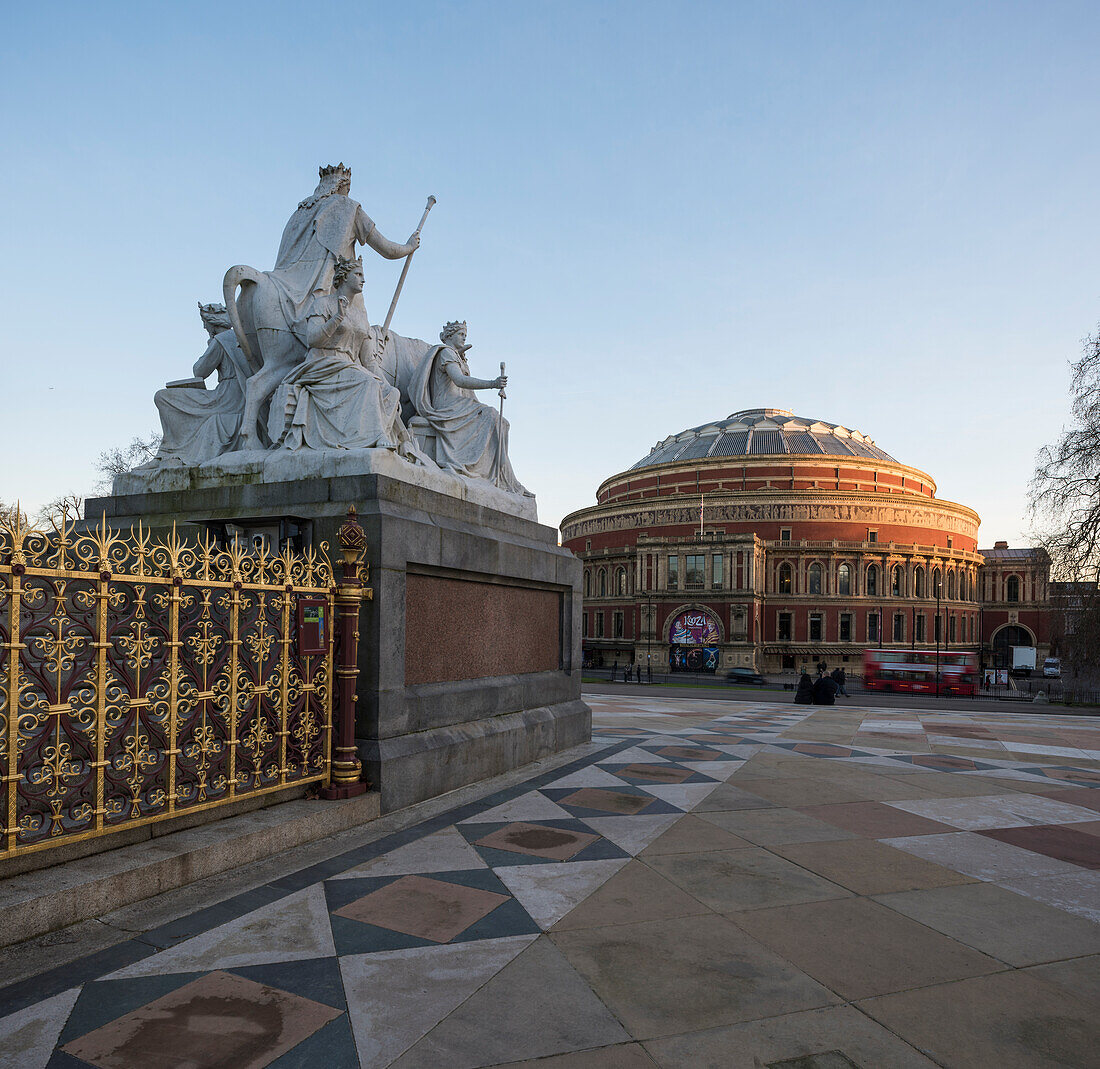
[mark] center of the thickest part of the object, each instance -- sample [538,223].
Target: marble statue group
[300,368]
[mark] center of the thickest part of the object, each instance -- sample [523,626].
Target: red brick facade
[797,559]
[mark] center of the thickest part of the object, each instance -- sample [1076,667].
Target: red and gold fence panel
[143,679]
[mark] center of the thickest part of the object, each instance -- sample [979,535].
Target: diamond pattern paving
[711,876]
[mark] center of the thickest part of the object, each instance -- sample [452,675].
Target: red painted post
[347,769]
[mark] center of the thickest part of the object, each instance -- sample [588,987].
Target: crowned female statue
[325,228]
[198,424]
[472,438]
[338,398]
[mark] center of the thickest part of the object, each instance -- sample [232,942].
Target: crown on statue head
[451,329]
[339,170]
[213,315]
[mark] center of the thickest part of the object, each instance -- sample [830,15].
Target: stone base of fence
[469,653]
[43,901]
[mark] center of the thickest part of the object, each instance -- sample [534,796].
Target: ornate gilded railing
[144,679]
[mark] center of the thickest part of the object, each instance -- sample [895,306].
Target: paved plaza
[709,883]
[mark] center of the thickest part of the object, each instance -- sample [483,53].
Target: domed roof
[762,432]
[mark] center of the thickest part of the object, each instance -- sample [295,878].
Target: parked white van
[1052,668]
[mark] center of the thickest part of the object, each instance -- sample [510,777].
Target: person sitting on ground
[825,691]
[805,693]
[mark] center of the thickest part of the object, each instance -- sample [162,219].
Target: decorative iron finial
[353,541]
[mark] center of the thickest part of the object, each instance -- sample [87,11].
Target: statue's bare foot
[385,443]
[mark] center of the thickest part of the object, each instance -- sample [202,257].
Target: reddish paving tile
[428,909]
[822,749]
[874,820]
[219,1019]
[690,753]
[606,801]
[1086,797]
[944,762]
[538,840]
[1065,842]
[1072,775]
[656,773]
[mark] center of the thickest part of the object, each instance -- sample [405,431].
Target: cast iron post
[347,769]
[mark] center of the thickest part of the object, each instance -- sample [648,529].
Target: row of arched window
[599,587]
[958,586]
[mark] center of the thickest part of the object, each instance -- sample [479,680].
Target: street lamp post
[939,628]
[648,595]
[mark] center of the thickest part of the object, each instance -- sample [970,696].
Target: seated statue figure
[338,398]
[472,438]
[199,424]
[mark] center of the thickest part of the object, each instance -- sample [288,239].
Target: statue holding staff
[471,438]
[270,312]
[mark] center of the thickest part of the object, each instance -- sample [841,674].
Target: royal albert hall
[772,541]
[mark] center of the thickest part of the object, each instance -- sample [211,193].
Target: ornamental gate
[145,679]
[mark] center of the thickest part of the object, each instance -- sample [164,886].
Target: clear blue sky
[879,214]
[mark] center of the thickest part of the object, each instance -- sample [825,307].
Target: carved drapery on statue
[275,393]
[199,424]
[337,398]
[472,438]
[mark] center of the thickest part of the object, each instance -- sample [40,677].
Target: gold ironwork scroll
[143,678]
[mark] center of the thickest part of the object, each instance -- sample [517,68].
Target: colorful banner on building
[694,628]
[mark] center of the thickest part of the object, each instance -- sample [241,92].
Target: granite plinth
[283,466]
[469,653]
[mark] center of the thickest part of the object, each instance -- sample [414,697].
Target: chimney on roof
[1000,545]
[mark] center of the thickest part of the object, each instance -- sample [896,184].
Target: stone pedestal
[469,653]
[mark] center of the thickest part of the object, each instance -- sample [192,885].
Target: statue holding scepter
[471,439]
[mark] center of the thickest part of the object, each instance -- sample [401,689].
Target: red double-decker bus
[914,671]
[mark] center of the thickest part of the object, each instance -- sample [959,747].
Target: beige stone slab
[780,1039]
[729,798]
[690,835]
[858,948]
[753,878]
[1006,925]
[1009,1021]
[795,791]
[1079,976]
[666,977]
[869,867]
[620,1056]
[950,785]
[766,827]
[635,893]
[535,1006]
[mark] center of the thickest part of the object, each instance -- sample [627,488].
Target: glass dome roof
[763,432]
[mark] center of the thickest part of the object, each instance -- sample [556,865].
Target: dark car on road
[745,675]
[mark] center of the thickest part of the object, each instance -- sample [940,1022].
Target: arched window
[1012,588]
[950,586]
[937,583]
[587,584]
[784,579]
[815,578]
[603,583]
[897,581]
[844,580]
[620,581]
[964,583]
[872,580]
[918,583]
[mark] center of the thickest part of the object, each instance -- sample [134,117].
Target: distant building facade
[772,541]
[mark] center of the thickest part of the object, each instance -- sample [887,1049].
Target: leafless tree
[12,516]
[125,458]
[1065,502]
[69,507]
